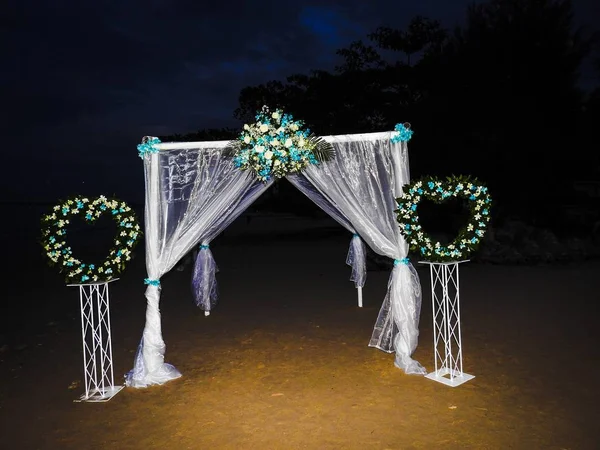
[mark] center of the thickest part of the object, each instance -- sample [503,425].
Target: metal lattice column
[447,342]
[96,341]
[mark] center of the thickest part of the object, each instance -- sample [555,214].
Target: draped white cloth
[193,192]
[191,195]
[362,184]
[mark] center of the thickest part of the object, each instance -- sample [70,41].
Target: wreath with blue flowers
[54,242]
[276,145]
[469,237]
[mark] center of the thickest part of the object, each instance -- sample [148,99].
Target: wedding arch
[194,191]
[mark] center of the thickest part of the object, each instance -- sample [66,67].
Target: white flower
[246,126]
[246,139]
[470,227]
[277,162]
[268,154]
[477,216]
[259,148]
[301,142]
[264,128]
[288,143]
[275,115]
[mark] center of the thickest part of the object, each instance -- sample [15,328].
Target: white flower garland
[54,230]
[469,237]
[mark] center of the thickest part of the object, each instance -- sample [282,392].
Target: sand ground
[283,362]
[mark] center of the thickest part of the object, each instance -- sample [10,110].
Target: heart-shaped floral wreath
[54,230]
[469,237]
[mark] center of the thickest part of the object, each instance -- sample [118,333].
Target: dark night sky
[83,81]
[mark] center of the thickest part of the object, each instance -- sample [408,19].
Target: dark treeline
[497,98]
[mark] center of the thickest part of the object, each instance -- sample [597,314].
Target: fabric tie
[204,247]
[401,261]
[152,282]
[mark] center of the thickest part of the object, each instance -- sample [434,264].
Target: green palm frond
[322,150]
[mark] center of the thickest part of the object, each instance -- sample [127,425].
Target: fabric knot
[204,247]
[152,282]
[401,261]
[356,235]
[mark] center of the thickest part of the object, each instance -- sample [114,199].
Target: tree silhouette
[497,98]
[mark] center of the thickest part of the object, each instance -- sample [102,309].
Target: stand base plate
[451,379]
[100,395]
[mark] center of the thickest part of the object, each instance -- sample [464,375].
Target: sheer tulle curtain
[191,195]
[361,183]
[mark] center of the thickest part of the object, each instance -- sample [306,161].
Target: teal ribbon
[204,247]
[405,261]
[148,147]
[356,235]
[152,282]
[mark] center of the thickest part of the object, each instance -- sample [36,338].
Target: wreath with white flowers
[276,145]
[54,231]
[469,237]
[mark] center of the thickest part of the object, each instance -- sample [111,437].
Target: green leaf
[322,150]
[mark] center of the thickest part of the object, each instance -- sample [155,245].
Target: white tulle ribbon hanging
[204,280]
[357,259]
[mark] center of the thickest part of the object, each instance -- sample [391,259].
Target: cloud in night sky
[79,76]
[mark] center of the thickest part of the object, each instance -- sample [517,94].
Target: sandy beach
[283,361]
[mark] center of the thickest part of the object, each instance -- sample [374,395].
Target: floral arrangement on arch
[469,237]
[59,253]
[277,145]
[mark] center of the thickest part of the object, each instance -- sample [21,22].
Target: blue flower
[403,134]
[148,147]
[88,216]
[85,278]
[472,197]
[431,184]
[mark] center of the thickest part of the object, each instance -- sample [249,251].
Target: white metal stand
[97,344]
[447,344]
[359,291]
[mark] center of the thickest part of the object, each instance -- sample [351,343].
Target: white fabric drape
[362,183]
[191,195]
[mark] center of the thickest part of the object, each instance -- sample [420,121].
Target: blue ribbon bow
[152,282]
